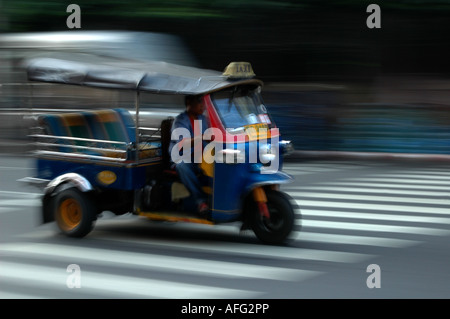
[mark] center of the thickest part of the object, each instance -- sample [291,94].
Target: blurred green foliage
[284,40]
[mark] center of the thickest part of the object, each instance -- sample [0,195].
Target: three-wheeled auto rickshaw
[99,160]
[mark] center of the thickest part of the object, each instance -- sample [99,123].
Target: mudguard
[256,180]
[73,178]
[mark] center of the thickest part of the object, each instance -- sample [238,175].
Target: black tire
[74,212]
[276,230]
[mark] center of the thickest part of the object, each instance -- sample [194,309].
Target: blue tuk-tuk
[92,161]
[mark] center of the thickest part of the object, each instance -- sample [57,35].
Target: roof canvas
[156,77]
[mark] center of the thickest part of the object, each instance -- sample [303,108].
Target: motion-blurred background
[332,83]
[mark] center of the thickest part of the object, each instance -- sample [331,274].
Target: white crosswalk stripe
[386,186]
[324,167]
[428,171]
[371,206]
[306,236]
[379,228]
[311,169]
[416,175]
[20,194]
[10,199]
[376,217]
[397,181]
[20,202]
[373,190]
[377,198]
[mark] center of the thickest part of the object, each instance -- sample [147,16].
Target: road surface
[368,229]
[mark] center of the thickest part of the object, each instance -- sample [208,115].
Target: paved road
[354,214]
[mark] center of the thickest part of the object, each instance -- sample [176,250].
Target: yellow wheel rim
[69,214]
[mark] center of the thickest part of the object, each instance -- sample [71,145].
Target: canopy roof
[156,77]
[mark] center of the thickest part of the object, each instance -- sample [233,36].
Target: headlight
[230,156]
[266,153]
[267,158]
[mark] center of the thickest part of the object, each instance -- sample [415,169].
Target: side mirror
[286,147]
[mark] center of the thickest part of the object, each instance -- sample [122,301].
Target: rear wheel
[276,229]
[74,212]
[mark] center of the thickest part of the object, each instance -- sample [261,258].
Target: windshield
[241,106]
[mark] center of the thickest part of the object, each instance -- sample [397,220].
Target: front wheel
[276,229]
[74,212]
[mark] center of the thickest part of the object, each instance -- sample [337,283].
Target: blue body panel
[127,177]
[229,192]
[232,182]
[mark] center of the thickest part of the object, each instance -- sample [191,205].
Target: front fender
[257,180]
[74,179]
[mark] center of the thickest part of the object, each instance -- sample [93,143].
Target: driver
[188,172]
